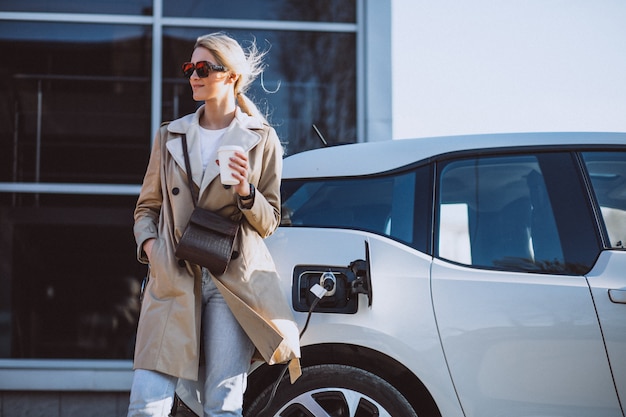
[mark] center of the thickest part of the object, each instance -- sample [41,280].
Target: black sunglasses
[202,68]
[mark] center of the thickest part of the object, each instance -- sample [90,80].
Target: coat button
[175,190]
[235,255]
[181,263]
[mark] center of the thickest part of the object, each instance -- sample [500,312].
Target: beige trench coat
[168,334]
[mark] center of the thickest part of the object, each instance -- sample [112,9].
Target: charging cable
[319,292]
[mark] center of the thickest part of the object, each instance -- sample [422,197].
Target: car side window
[512,213]
[395,205]
[607,171]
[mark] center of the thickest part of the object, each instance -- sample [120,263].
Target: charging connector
[329,282]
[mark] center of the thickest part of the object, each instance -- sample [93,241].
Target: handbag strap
[192,188]
[188,168]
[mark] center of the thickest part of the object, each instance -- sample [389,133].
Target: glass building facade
[84,85]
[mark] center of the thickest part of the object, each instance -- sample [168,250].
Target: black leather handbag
[208,239]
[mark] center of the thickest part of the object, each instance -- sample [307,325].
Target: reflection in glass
[454,243]
[310,77]
[496,212]
[74,108]
[76,98]
[69,279]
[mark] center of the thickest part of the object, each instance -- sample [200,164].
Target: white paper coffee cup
[226,172]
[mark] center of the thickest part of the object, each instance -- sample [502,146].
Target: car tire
[335,391]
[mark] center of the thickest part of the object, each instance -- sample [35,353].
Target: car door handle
[618,296]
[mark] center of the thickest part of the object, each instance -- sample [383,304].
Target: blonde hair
[247,64]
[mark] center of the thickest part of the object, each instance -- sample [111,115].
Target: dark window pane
[70,279]
[578,230]
[312,77]
[137,7]
[343,11]
[75,102]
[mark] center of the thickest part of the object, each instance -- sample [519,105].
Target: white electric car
[475,276]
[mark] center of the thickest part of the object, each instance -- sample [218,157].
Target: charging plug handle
[318,290]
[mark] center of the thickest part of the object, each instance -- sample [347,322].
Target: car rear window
[394,205]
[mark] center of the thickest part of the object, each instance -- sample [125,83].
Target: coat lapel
[186,125]
[175,148]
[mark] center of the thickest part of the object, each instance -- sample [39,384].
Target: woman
[186,311]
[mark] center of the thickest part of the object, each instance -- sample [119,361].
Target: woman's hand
[239,163]
[147,247]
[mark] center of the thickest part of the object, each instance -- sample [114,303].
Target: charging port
[335,280]
[342,286]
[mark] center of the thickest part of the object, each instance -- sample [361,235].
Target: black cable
[269,401]
[282,373]
[308,318]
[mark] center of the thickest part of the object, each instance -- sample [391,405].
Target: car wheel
[333,391]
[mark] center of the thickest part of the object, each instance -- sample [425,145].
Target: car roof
[374,157]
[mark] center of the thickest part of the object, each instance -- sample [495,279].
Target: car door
[515,236]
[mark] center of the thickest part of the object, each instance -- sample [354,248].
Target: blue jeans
[227,352]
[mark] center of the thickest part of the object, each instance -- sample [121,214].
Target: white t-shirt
[210,141]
